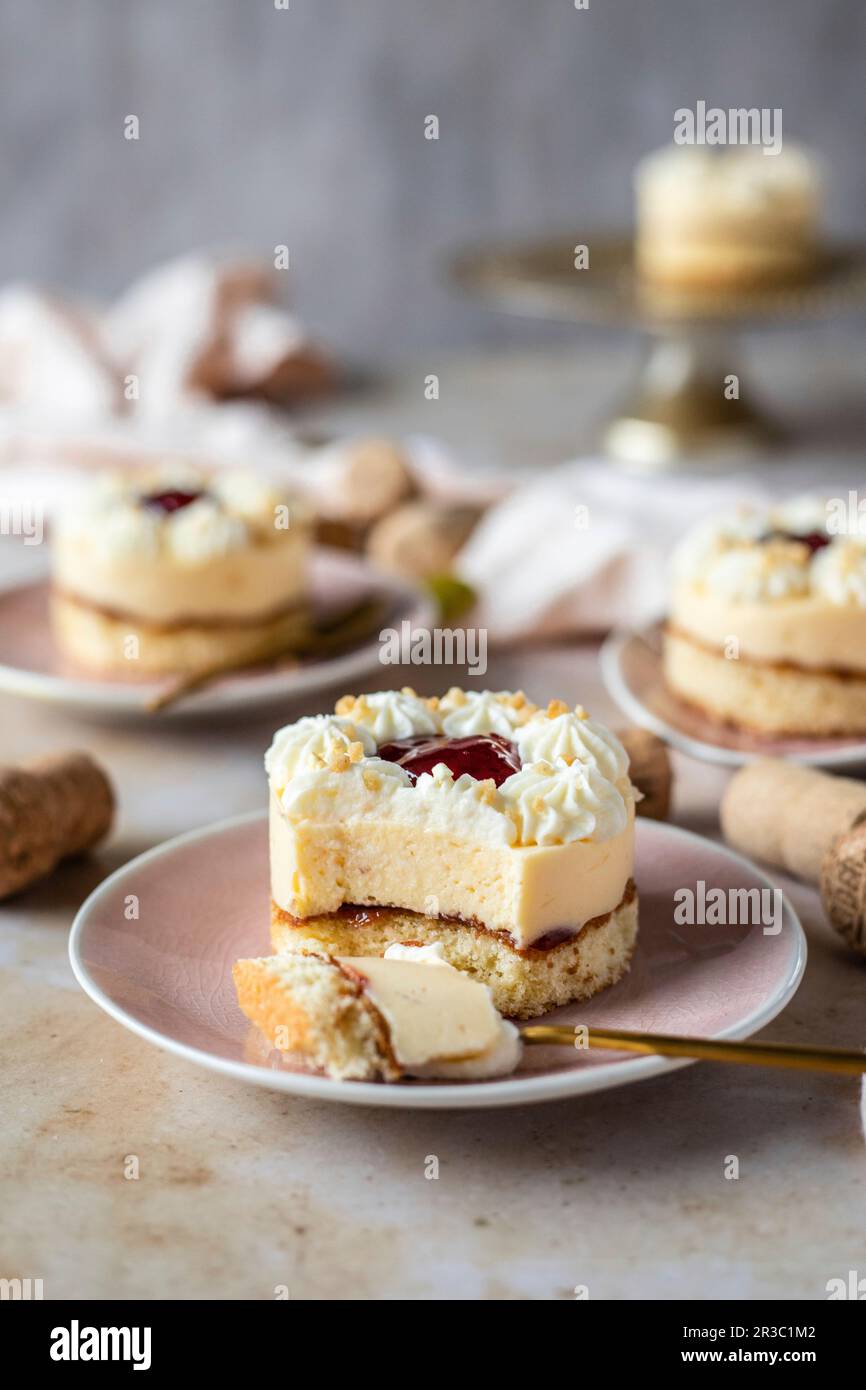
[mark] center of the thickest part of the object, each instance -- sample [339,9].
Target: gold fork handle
[753,1054]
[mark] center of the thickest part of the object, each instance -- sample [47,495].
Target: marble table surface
[242,1191]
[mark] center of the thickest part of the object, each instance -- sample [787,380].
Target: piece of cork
[810,824]
[843,886]
[649,770]
[364,481]
[50,808]
[421,538]
[789,815]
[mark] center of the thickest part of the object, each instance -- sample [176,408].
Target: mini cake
[767,622]
[175,572]
[725,217]
[478,820]
[369,1018]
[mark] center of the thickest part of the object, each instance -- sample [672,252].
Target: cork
[649,770]
[843,886]
[50,808]
[810,824]
[421,538]
[789,815]
[368,479]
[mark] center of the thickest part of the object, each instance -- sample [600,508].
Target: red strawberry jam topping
[814,540]
[172,500]
[481,755]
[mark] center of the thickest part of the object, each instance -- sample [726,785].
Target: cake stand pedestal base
[686,408]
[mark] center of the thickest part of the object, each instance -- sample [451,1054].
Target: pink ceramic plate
[631,664]
[203,901]
[31,665]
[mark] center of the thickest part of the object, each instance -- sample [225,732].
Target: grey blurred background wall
[261,126]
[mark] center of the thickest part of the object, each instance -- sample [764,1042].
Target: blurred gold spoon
[354,624]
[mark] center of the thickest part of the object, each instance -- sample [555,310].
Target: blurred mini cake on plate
[477,820]
[174,571]
[726,217]
[767,622]
[377,1018]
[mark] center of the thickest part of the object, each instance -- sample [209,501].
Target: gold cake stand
[679,409]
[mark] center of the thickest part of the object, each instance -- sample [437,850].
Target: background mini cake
[767,622]
[726,217]
[195,569]
[478,820]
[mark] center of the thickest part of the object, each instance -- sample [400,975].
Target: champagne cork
[649,770]
[50,808]
[363,481]
[420,539]
[843,886]
[789,815]
[810,824]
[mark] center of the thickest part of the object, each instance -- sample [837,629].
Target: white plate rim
[620,691]
[113,697]
[524,1090]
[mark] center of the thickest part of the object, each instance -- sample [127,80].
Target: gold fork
[842,1061]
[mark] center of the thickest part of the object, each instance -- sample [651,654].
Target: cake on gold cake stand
[680,407]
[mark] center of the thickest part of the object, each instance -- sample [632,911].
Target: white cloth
[189,331]
[199,327]
[584,548]
[85,387]
[148,378]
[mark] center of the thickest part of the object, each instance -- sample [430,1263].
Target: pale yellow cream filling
[806,631]
[524,890]
[433,1011]
[257,580]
